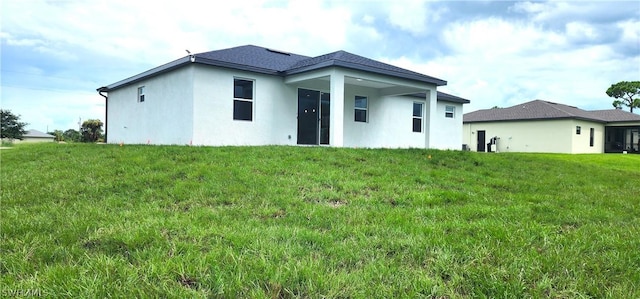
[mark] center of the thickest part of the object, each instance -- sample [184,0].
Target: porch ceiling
[385,88]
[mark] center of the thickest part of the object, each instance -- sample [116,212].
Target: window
[417,117]
[449,111]
[591,133]
[578,130]
[141,94]
[242,99]
[360,111]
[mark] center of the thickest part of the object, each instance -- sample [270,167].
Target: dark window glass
[417,109]
[243,89]
[360,115]
[141,94]
[361,105]
[242,110]
[591,133]
[361,102]
[417,117]
[449,111]
[417,124]
[578,130]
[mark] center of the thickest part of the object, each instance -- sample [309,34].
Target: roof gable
[352,61]
[543,110]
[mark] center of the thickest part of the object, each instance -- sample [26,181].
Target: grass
[82,220]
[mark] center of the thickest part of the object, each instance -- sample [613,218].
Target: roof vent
[279,52]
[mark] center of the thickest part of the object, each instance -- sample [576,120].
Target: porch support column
[336,123]
[432,114]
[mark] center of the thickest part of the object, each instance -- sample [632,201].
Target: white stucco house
[547,127]
[251,95]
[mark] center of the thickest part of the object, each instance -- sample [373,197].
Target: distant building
[34,136]
[547,127]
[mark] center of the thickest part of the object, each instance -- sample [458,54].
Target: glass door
[313,117]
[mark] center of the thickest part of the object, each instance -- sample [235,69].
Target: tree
[59,135]
[625,93]
[91,130]
[71,135]
[11,127]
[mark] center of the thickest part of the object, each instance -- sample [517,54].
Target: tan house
[34,136]
[547,127]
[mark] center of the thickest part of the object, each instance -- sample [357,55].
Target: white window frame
[252,100]
[365,109]
[420,117]
[450,113]
[141,94]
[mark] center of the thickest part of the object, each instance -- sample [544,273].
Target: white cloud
[494,62]
[630,31]
[413,15]
[581,31]
[497,37]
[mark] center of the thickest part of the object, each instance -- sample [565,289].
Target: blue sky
[54,54]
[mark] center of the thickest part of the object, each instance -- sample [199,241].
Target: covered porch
[620,139]
[344,107]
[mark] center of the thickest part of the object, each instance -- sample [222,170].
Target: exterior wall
[448,131]
[548,136]
[581,143]
[33,140]
[165,117]
[194,105]
[389,121]
[274,109]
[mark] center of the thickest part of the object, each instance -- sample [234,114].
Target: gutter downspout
[106,110]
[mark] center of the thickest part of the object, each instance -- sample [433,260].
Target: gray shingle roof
[445,97]
[268,61]
[539,110]
[451,98]
[37,134]
[251,58]
[616,115]
[352,61]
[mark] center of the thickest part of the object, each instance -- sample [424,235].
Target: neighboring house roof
[37,134]
[274,62]
[543,110]
[616,115]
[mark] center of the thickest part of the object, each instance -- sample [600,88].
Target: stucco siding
[447,132]
[549,136]
[389,123]
[581,142]
[274,109]
[165,116]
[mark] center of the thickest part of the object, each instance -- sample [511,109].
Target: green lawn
[94,221]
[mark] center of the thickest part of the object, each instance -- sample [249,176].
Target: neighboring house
[541,126]
[251,95]
[34,136]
